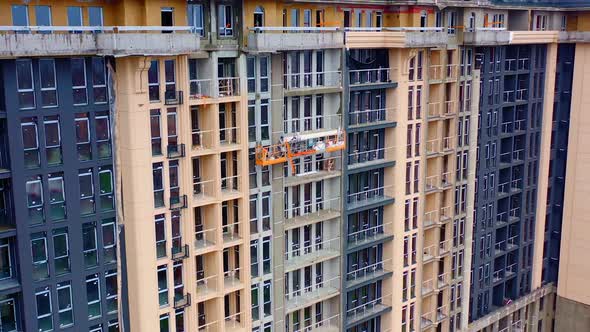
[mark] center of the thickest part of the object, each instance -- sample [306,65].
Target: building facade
[292,166]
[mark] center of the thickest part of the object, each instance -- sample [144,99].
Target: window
[52,140]
[43,15]
[225,20]
[78,68]
[164,323]
[171,120]
[48,82]
[180,326]
[111,291]
[259,16]
[99,79]
[109,235]
[195,18]
[163,285]
[93,296]
[83,145]
[85,180]
[158,183]
[57,205]
[167,18]
[103,135]
[155,132]
[39,254]
[105,181]
[20,15]
[24,83]
[64,305]
[89,245]
[160,228]
[61,251]
[170,79]
[44,310]
[34,189]
[95,16]
[154,81]
[30,143]
[75,16]
[178,283]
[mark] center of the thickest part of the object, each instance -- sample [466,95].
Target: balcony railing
[328,324]
[311,123]
[209,327]
[371,116]
[178,202]
[368,195]
[516,64]
[308,295]
[312,80]
[203,89]
[182,301]
[233,321]
[279,38]
[106,40]
[312,251]
[231,232]
[230,184]
[174,151]
[432,182]
[231,277]
[180,253]
[361,157]
[205,238]
[202,139]
[229,135]
[311,210]
[369,270]
[173,97]
[522,94]
[369,76]
[367,308]
[206,285]
[203,189]
[228,86]
[369,233]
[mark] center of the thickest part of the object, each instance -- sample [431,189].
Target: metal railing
[522,94]
[428,253]
[312,79]
[298,250]
[207,283]
[205,238]
[311,209]
[233,321]
[174,151]
[432,182]
[367,76]
[297,297]
[445,212]
[368,116]
[380,192]
[359,157]
[203,189]
[361,309]
[228,86]
[233,274]
[231,231]
[229,135]
[310,123]
[444,247]
[230,184]
[209,327]
[369,269]
[367,233]
[202,139]
[333,321]
[446,178]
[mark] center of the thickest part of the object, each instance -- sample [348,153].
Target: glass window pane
[43,15]
[75,16]
[20,17]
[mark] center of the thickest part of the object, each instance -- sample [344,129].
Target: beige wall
[574,267]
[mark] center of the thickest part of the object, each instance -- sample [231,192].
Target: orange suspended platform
[300,145]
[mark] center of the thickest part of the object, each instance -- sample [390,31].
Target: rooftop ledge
[268,39]
[85,40]
[396,37]
[501,36]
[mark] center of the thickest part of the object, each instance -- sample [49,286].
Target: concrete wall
[571,316]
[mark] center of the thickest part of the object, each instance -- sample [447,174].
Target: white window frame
[85,86]
[30,90]
[71,306]
[54,88]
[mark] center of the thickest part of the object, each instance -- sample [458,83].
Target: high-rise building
[293,166]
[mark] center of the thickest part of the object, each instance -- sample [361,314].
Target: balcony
[369,235]
[175,151]
[438,110]
[372,308]
[377,78]
[209,327]
[311,253]
[331,324]
[312,213]
[370,196]
[396,37]
[231,232]
[206,288]
[91,40]
[180,253]
[230,186]
[369,272]
[513,65]
[205,239]
[371,117]
[204,191]
[305,82]
[513,127]
[310,295]
[173,97]
[272,39]
[183,301]
[487,36]
[511,157]
[368,158]
[443,73]
[234,322]
[203,91]
[329,168]
[231,280]
[178,202]
[437,146]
